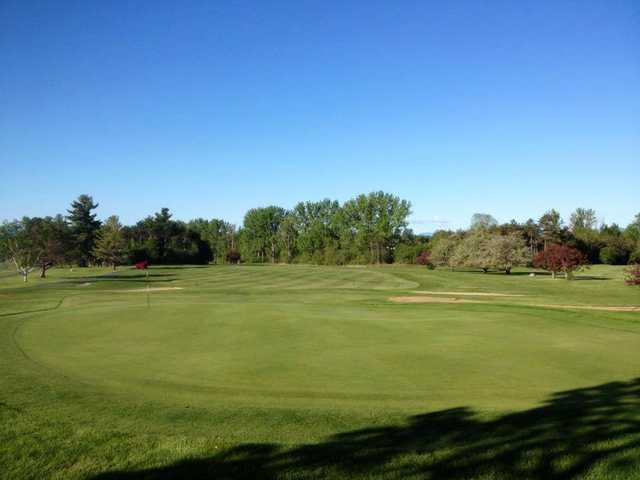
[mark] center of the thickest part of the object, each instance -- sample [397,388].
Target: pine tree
[85,227]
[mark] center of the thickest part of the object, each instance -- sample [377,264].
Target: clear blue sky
[210,108]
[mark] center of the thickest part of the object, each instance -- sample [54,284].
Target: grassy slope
[246,365]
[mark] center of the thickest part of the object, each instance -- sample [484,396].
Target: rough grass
[311,372]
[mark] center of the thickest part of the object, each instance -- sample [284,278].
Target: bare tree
[18,246]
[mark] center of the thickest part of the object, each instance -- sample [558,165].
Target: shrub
[633,275]
[424,258]
[233,256]
[634,257]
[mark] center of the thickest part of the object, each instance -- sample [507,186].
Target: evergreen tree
[84,227]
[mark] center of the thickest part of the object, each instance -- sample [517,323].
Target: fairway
[233,370]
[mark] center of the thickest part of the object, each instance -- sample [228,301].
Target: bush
[405,253]
[424,258]
[233,256]
[633,275]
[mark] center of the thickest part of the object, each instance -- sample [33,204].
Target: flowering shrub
[633,275]
[424,258]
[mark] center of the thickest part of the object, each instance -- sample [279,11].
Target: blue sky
[211,108]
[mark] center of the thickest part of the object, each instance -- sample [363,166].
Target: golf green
[125,373]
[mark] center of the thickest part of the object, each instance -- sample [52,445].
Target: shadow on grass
[36,310]
[590,277]
[178,267]
[111,277]
[573,432]
[537,274]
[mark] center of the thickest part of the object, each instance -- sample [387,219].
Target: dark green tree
[84,226]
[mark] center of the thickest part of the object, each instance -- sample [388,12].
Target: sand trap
[153,289]
[603,308]
[411,299]
[86,284]
[470,294]
[453,300]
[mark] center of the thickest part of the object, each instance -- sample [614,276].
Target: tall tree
[84,226]
[159,239]
[375,222]
[532,233]
[260,232]
[316,227]
[551,227]
[162,229]
[111,245]
[220,236]
[482,220]
[583,219]
[287,236]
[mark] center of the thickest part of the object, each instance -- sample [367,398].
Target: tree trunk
[485,270]
[43,271]
[553,275]
[507,270]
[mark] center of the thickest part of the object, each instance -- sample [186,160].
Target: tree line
[367,229]
[490,245]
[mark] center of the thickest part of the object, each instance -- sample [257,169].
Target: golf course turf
[296,371]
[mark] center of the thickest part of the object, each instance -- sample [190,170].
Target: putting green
[225,356]
[297,349]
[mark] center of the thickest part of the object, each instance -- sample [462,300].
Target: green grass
[311,372]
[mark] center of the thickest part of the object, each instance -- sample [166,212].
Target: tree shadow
[565,438]
[503,274]
[138,277]
[560,276]
[178,267]
[590,277]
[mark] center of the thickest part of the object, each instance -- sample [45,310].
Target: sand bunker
[470,294]
[593,307]
[413,299]
[453,300]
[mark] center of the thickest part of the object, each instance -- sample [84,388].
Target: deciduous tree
[507,251]
[482,220]
[551,227]
[111,246]
[560,258]
[18,246]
